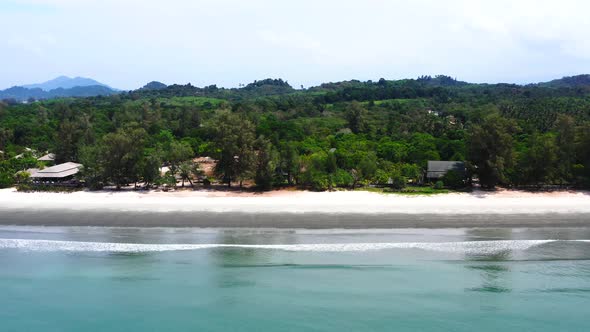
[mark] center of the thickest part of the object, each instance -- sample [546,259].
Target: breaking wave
[469,247]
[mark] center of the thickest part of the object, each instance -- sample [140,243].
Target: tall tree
[289,163]
[178,153]
[583,153]
[186,171]
[265,163]
[538,163]
[566,147]
[491,150]
[66,147]
[356,115]
[122,152]
[5,137]
[234,138]
[149,167]
[93,172]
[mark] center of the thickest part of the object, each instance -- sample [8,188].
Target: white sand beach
[358,202]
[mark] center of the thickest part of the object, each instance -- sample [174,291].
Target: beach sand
[295,209]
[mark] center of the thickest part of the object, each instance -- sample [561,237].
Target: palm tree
[186,171]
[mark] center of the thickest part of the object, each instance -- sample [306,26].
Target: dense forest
[336,135]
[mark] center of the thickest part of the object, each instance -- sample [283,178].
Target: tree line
[346,134]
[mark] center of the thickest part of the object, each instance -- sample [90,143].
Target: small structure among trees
[48,158]
[60,175]
[439,170]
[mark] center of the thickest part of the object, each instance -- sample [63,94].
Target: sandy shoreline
[299,209]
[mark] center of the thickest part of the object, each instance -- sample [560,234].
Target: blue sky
[126,43]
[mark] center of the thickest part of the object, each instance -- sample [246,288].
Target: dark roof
[438,169]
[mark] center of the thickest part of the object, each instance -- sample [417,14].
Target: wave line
[474,247]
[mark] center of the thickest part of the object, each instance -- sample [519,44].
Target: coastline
[295,209]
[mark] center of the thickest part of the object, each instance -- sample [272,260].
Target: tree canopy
[343,134]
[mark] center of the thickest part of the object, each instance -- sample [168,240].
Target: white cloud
[128,42]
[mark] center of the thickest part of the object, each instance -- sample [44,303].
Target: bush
[318,181]
[342,178]
[6,181]
[393,179]
[439,185]
[382,177]
[454,179]
[167,180]
[399,182]
[24,187]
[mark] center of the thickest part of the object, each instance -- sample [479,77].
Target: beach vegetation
[343,135]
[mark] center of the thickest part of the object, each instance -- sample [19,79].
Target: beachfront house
[438,169]
[58,175]
[49,158]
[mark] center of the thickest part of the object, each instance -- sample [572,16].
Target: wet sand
[283,209]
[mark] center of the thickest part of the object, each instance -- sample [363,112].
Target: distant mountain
[154,85]
[568,82]
[65,82]
[20,94]
[62,86]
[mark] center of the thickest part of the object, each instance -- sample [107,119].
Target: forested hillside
[344,134]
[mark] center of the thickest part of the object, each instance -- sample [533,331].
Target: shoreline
[295,209]
[233,220]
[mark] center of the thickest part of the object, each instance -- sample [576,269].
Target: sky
[127,43]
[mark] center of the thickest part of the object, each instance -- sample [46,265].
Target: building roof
[32,171]
[58,171]
[438,169]
[47,157]
[204,160]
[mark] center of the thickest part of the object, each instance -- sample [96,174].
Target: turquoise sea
[179,279]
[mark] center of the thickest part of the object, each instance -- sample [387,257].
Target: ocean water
[182,279]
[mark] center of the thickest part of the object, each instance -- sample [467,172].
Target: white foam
[469,247]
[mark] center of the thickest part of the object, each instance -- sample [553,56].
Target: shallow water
[179,279]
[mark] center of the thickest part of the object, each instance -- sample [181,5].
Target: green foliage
[356,115]
[318,181]
[234,138]
[342,179]
[345,134]
[149,168]
[289,163]
[6,181]
[186,171]
[13,170]
[266,161]
[491,150]
[537,164]
[399,181]
[454,179]
[120,155]
[565,143]
[178,153]
[168,180]
[93,172]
